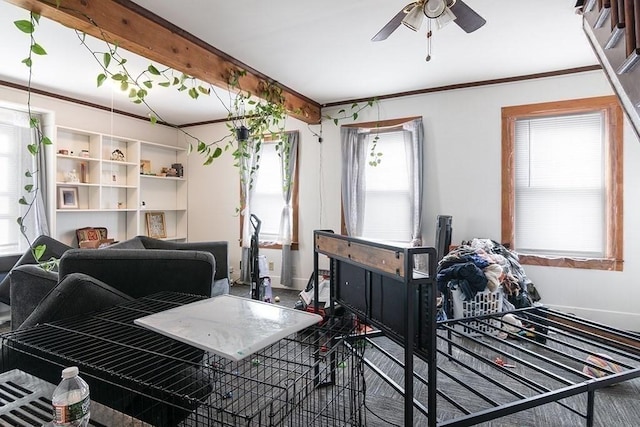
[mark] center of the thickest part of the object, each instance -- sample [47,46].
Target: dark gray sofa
[54,249]
[89,279]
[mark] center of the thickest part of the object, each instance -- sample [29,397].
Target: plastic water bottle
[71,400]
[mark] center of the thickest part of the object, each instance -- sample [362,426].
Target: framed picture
[68,198]
[156,226]
[145,167]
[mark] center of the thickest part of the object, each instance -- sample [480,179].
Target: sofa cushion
[76,294]
[140,273]
[29,283]
[54,249]
[134,243]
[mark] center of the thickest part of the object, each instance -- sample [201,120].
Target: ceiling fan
[442,11]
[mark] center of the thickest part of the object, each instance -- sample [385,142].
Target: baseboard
[617,319]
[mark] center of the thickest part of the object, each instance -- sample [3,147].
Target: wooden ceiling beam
[145,34]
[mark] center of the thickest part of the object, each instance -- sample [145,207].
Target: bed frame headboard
[392,288]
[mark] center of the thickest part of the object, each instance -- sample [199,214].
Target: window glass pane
[266,200]
[387,213]
[560,187]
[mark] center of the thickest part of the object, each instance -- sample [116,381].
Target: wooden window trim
[610,105]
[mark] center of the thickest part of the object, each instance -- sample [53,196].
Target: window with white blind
[267,201]
[15,134]
[562,186]
[387,206]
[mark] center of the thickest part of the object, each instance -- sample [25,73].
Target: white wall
[462,179]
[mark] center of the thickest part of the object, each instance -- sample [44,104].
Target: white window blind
[266,199]
[387,213]
[560,193]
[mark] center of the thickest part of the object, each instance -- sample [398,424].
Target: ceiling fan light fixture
[434,8]
[414,18]
[444,19]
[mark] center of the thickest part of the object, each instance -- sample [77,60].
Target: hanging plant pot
[242,133]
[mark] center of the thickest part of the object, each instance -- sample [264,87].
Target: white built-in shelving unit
[111,192]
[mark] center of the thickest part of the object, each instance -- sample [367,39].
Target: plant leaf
[46,140]
[153,70]
[24,26]
[38,251]
[217,153]
[106,59]
[28,188]
[23,201]
[148,84]
[101,78]
[28,62]
[153,119]
[33,149]
[37,49]
[164,84]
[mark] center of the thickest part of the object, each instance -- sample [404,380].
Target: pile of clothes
[483,264]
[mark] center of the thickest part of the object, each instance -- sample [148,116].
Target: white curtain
[35,218]
[288,161]
[354,161]
[414,141]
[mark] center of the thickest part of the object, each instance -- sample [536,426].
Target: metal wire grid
[307,376]
[308,379]
[482,377]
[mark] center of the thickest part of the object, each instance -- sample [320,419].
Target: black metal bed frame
[394,290]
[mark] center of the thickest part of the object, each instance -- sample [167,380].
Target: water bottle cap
[70,372]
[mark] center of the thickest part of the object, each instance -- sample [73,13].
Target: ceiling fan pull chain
[429,34]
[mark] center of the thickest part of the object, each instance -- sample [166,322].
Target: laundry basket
[484,303]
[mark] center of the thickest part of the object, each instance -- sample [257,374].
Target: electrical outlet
[270,265]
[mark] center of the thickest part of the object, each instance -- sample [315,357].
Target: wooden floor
[617,406]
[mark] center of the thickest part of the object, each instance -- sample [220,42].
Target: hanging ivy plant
[29,199]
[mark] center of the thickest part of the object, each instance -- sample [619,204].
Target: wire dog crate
[312,378]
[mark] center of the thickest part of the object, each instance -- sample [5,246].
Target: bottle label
[68,413]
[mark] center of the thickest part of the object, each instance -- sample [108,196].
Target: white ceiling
[321,49]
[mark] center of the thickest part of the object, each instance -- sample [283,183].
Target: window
[267,200]
[383,202]
[562,183]
[15,134]
[387,191]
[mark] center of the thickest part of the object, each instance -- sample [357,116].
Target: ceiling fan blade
[466,18]
[393,24]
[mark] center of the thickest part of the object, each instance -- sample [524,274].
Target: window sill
[585,263]
[273,245]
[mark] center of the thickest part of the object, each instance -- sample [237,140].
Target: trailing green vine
[375,156]
[251,117]
[35,148]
